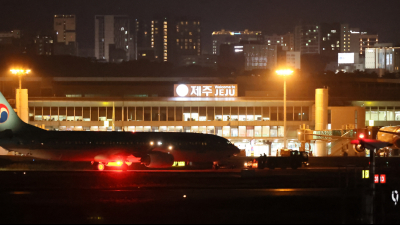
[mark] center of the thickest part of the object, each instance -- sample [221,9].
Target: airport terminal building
[234,109]
[254,124]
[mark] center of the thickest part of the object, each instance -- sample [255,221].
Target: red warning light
[361,136]
[383,178]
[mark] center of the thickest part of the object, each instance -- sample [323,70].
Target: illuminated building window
[165,26]
[165,22]
[190,33]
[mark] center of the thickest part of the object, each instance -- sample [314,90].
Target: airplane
[153,150]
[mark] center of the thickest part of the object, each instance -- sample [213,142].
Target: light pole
[20,73]
[284,73]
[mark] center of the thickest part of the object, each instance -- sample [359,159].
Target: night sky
[269,16]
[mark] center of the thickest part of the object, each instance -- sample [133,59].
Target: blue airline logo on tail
[4,113]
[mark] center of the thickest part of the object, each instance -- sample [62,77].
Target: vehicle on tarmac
[116,149]
[288,158]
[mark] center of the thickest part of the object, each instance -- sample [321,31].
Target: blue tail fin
[9,120]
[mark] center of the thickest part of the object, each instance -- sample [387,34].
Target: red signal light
[361,136]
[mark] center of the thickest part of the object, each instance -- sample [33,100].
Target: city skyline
[266,16]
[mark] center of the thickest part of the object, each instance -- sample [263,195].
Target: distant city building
[293,59]
[142,41]
[233,37]
[248,56]
[65,30]
[330,40]
[365,40]
[172,38]
[383,59]
[6,38]
[12,42]
[354,40]
[199,60]
[44,44]
[113,38]
[286,41]
[307,39]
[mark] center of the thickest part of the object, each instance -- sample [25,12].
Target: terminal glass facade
[255,126]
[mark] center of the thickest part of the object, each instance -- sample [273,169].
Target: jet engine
[158,160]
[359,148]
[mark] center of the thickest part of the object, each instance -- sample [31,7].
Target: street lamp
[284,73]
[20,73]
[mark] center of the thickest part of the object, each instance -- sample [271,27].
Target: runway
[203,196]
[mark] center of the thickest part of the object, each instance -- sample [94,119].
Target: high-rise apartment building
[44,44]
[330,40]
[233,37]
[142,41]
[286,41]
[173,38]
[65,29]
[307,39]
[113,38]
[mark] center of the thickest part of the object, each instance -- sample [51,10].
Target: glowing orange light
[286,72]
[19,71]
[361,136]
[119,163]
[101,167]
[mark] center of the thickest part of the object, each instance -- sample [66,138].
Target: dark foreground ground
[323,195]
